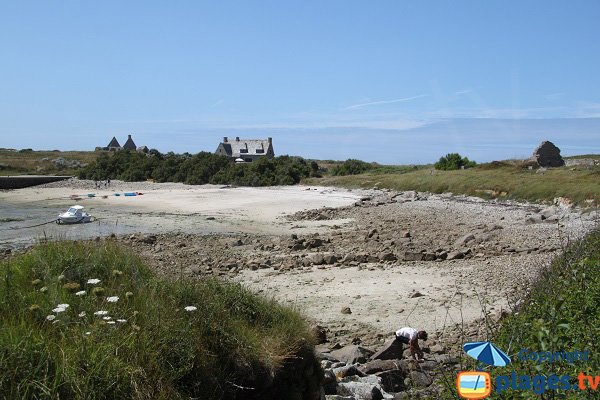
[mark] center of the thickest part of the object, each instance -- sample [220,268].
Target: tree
[453,161]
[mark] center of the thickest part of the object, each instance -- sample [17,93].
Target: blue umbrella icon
[487,353]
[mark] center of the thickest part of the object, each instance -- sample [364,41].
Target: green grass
[559,314]
[488,180]
[40,162]
[592,156]
[162,351]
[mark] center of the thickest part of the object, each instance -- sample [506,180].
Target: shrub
[198,169]
[453,161]
[351,167]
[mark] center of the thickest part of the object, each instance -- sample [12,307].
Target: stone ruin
[547,155]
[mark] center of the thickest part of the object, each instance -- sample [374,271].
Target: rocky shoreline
[448,264]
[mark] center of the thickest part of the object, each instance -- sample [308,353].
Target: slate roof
[129,144]
[114,143]
[243,147]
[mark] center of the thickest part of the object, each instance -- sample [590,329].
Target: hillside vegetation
[90,321]
[198,169]
[491,180]
[29,162]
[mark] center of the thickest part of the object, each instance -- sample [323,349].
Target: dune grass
[40,162]
[144,345]
[503,181]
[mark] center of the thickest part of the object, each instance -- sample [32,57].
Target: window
[260,150]
[243,151]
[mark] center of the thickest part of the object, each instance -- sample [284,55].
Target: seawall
[23,181]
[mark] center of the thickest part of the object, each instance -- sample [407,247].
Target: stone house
[129,145]
[246,150]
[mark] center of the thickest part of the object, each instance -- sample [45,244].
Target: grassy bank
[487,180]
[130,336]
[28,162]
[560,314]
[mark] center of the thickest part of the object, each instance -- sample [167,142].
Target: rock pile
[548,155]
[354,372]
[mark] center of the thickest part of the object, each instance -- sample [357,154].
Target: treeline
[198,169]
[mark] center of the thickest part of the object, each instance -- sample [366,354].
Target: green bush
[147,346]
[453,161]
[198,169]
[560,314]
[351,167]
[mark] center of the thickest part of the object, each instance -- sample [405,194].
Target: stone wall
[23,181]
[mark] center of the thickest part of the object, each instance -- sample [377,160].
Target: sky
[396,82]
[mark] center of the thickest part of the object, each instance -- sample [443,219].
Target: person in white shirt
[411,336]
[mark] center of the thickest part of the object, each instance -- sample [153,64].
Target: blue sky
[388,81]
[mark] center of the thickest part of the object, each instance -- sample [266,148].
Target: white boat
[74,215]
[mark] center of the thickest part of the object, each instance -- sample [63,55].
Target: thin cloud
[384,102]
[461,92]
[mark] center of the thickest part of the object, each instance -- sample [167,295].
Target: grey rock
[391,350]
[455,255]
[379,365]
[347,370]
[352,354]
[548,155]
[346,310]
[392,380]
[464,240]
[316,259]
[412,256]
[387,256]
[420,379]
[329,259]
[359,390]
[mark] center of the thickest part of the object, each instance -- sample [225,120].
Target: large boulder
[548,155]
[359,390]
[352,354]
[391,350]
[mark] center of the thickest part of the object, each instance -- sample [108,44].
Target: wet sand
[163,208]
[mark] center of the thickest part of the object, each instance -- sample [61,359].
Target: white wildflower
[63,306]
[82,314]
[101,312]
[88,333]
[122,321]
[110,322]
[190,308]
[112,299]
[51,317]
[59,310]
[107,318]
[80,293]
[93,281]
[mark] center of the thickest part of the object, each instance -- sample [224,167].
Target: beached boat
[74,215]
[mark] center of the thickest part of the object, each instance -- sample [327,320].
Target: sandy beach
[162,208]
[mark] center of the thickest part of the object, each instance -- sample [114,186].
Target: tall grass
[559,314]
[151,347]
[508,182]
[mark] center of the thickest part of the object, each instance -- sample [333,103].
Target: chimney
[224,139]
[128,136]
[270,140]
[237,138]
